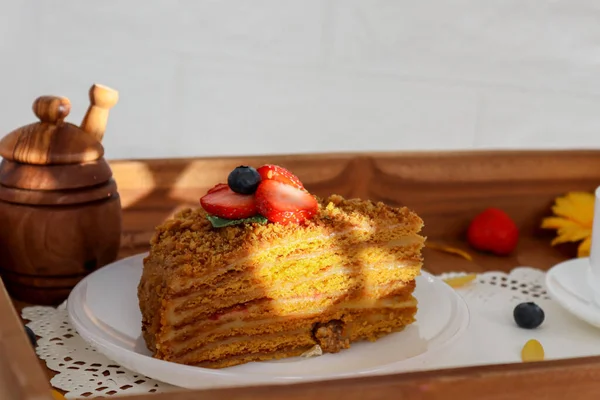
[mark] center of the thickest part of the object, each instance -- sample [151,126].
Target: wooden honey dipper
[102,99]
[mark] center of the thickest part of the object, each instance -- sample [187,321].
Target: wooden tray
[446,188]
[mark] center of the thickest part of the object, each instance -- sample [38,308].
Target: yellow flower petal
[571,234]
[458,281]
[576,206]
[532,351]
[584,248]
[573,219]
[448,249]
[57,396]
[557,222]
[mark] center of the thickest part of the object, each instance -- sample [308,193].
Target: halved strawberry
[225,203]
[217,187]
[282,203]
[277,173]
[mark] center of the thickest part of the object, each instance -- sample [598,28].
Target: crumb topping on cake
[190,233]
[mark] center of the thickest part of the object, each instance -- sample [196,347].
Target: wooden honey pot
[60,212]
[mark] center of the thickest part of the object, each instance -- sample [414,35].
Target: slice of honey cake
[265,270]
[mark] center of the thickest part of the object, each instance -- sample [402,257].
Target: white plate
[103,308]
[568,285]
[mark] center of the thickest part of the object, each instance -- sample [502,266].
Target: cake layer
[293,305]
[307,263]
[333,282]
[286,261]
[333,335]
[242,320]
[246,344]
[243,286]
[292,351]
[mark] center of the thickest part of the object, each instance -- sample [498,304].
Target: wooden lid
[50,141]
[54,141]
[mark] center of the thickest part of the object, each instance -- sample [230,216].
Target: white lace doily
[82,371]
[492,337]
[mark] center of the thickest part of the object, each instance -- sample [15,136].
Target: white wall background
[202,77]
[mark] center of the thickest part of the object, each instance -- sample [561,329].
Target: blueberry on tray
[528,315]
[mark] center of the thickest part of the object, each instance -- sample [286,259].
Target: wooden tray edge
[375,154]
[547,380]
[21,374]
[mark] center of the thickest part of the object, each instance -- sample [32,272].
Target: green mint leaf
[218,222]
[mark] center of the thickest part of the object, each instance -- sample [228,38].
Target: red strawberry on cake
[225,203]
[283,203]
[280,174]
